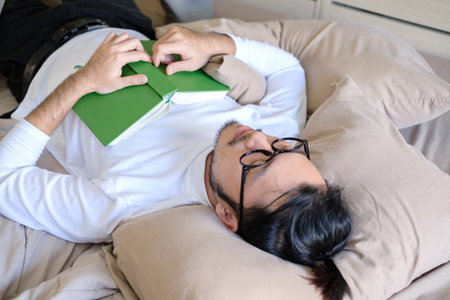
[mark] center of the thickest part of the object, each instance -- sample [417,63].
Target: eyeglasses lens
[287,144]
[254,158]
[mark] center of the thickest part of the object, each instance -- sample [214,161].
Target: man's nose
[258,141]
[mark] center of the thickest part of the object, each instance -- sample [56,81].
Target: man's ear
[227,217]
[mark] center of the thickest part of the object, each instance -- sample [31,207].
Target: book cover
[116,116]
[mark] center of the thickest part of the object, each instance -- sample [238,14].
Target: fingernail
[169,70]
[142,79]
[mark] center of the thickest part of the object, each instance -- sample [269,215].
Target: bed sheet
[38,265]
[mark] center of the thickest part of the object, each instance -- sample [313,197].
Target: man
[264,188]
[112,179]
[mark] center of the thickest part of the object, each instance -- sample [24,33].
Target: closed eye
[242,138]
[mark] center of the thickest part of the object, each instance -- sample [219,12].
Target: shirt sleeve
[265,58]
[63,205]
[286,81]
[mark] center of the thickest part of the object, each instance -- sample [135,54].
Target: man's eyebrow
[242,138]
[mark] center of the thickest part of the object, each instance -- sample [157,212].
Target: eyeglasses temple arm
[241,196]
[306,147]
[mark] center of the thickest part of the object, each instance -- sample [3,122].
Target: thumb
[182,65]
[137,79]
[122,82]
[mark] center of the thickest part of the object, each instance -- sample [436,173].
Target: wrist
[80,83]
[229,47]
[55,107]
[223,45]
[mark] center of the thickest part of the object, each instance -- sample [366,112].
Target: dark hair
[309,229]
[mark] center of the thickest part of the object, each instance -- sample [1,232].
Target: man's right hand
[101,74]
[103,71]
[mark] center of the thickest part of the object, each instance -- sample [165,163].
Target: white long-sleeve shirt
[159,167]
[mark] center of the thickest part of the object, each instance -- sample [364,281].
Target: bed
[378,122]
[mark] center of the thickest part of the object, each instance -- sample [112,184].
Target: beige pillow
[389,71]
[186,253]
[398,199]
[430,138]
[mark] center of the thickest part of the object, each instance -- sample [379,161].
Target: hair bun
[323,256]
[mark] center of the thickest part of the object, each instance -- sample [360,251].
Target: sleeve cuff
[22,146]
[263,57]
[238,43]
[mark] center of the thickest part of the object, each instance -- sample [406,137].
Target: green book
[116,116]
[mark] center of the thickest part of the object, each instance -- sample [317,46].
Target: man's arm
[285,93]
[196,49]
[284,75]
[102,74]
[70,207]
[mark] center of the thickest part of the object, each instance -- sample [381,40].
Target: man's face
[265,185]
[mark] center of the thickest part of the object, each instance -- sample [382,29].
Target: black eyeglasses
[256,158]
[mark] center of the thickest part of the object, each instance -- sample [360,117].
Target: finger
[132,56]
[155,60]
[158,51]
[161,52]
[121,38]
[167,59]
[137,79]
[122,82]
[140,47]
[182,65]
[167,36]
[173,32]
[157,55]
[130,44]
[112,35]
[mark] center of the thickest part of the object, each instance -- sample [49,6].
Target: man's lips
[240,131]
